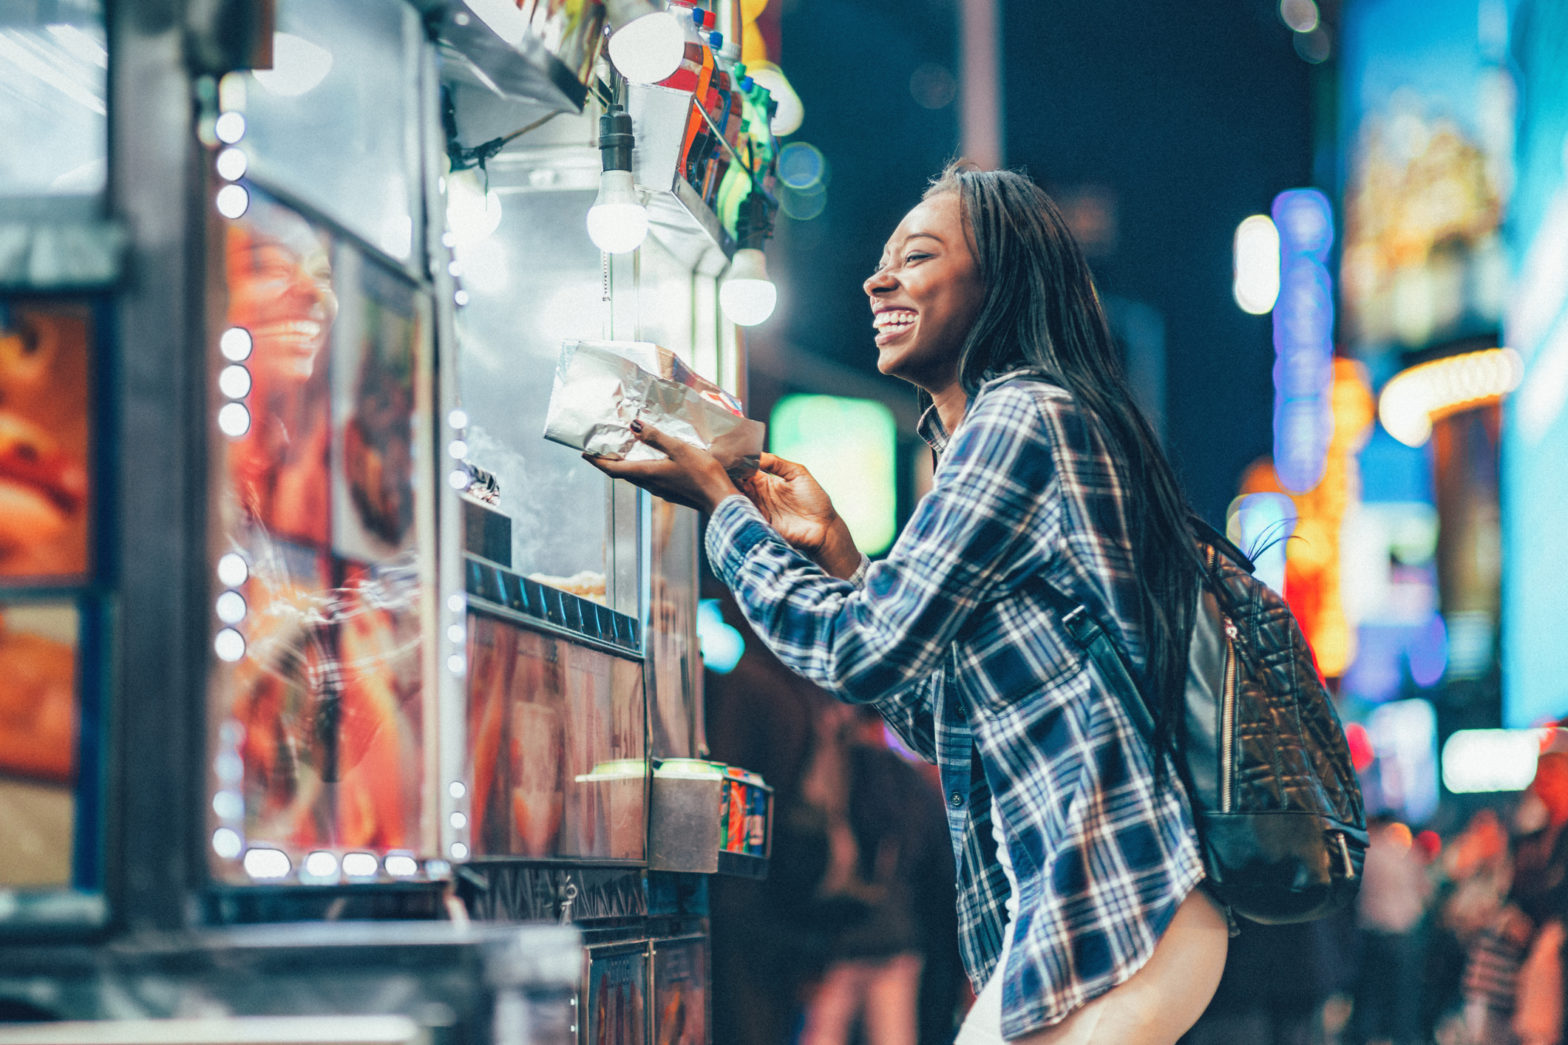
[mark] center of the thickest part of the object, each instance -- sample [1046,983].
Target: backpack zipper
[1228,717]
[1344,852]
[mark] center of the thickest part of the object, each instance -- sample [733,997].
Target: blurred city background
[1331,238]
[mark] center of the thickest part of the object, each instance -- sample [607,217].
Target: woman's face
[925,295]
[280,289]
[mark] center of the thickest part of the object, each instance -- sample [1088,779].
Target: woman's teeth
[892,320]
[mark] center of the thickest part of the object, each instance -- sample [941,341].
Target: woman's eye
[910,259]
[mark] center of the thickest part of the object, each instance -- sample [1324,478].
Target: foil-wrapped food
[601,387]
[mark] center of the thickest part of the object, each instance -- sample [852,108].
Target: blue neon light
[1303,338]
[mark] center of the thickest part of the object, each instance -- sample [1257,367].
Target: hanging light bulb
[646,41]
[617,221]
[747,295]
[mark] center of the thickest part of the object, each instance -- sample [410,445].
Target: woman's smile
[892,323]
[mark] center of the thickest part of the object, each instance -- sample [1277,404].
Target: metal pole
[981,83]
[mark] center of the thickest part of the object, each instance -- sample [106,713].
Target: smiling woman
[1078,864]
[924,298]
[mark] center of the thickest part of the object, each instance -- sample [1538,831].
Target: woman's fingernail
[636,425]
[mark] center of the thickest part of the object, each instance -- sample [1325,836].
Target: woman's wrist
[715,493]
[838,555]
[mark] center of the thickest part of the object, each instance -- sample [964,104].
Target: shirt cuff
[734,528]
[858,578]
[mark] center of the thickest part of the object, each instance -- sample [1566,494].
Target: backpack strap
[1090,637]
[1093,640]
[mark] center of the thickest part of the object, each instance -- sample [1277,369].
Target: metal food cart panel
[558,767]
[679,1012]
[614,1008]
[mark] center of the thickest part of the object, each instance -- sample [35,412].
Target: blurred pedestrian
[1537,895]
[1473,876]
[1395,889]
[882,819]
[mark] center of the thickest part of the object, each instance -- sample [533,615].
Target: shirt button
[957,799]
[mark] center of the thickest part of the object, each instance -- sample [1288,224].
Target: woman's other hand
[795,505]
[687,475]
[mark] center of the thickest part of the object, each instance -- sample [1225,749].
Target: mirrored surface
[557,766]
[321,701]
[334,123]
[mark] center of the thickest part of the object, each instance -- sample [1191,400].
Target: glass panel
[53,90]
[321,695]
[533,283]
[675,671]
[334,123]
[556,735]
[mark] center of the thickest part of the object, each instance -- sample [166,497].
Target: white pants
[1155,1007]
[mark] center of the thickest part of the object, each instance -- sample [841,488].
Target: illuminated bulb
[360,865]
[267,863]
[227,843]
[229,127]
[1256,285]
[298,66]
[233,420]
[230,607]
[457,789]
[617,221]
[747,296]
[232,201]
[321,864]
[232,164]
[232,570]
[229,645]
[235,344]
[459,851]
[646,44]
[234,381]
[400,866]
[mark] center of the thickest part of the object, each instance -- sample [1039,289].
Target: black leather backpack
[1264,760]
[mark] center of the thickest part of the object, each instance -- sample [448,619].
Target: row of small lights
[1414,397]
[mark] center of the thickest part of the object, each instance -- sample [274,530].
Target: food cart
[334,688]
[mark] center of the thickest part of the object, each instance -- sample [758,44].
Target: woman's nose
[880,280]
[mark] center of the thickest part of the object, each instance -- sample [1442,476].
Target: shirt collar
[930,426]
[932,430]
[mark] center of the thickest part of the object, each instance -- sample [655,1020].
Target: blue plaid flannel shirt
[956,643]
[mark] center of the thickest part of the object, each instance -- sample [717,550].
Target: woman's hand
[688,475]
[795,505]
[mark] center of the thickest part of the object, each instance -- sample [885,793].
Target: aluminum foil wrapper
[602,386]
